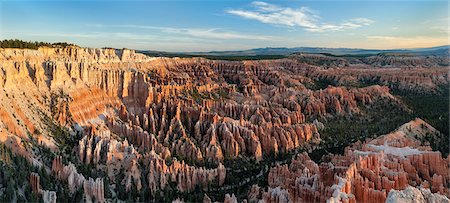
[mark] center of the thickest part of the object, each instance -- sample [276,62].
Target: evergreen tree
[15,43]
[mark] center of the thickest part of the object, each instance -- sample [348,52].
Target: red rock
[34,182]
[134,107]
[365,173]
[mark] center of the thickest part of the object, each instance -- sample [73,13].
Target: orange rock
[365,173]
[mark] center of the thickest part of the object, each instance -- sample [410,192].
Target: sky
[200,25]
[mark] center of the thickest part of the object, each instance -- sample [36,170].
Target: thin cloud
[214,34]
[293,17]
[211,33]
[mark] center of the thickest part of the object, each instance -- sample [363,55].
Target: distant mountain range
[283,51]
[335,51]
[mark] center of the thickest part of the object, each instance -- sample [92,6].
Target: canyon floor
[106,125]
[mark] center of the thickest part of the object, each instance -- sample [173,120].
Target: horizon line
[236,50]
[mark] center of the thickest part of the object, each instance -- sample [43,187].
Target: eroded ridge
[157,124]
[385,168]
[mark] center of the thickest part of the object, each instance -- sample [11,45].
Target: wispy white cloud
[215,33]
[296,17]
[209,33]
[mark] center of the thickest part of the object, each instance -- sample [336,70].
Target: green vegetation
[319,84]
[10,180]
[15,43]
[433,109]
[342,131]
[15,171]
[198,97]
[381,119]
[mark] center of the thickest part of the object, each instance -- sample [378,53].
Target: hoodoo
[109,125]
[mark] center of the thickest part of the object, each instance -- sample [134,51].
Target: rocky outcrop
[382,60]
[93,190]
[206,199]
[98,147]
[276,195]
[366,172]
[174,116]
[34,182]
[47,196]
[412,194]
[416,80]
[230,198]
[407,60]
[186,177]
[200,110]
[219,136]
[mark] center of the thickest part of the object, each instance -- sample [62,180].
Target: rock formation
[230,199]
[417,81]
[176,121]
[373,171]
[34,182]
[186,177]
[412,194]
[47,196]
[93,189]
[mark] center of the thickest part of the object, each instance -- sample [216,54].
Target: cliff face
[163,120]
[228,108]
[374,171]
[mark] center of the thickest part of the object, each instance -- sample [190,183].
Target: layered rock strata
[171,116]
[367,172]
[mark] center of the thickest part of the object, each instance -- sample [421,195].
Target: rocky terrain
[400,72]
[109,125]
[389,168]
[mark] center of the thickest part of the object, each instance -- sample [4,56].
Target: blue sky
[177,25]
